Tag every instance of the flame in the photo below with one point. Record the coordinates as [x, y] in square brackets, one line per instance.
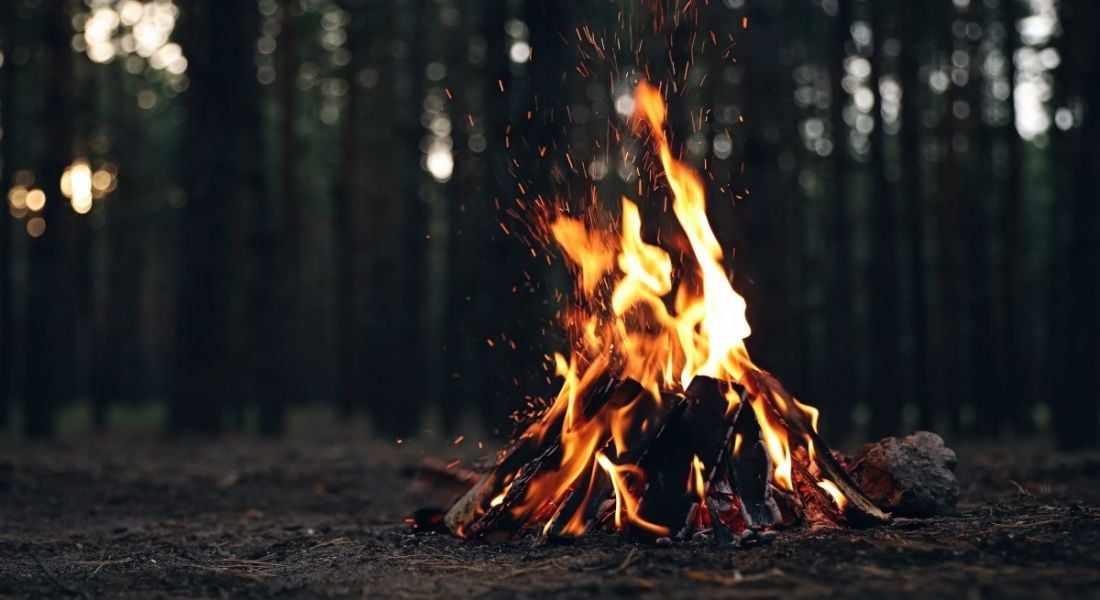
[499, 498]
[639, 314]
[588, 250]
[626, 505]
[777, 441]
[696, 481]
[834, 491]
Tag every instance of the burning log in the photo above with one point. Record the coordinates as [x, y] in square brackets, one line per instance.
[700, 431]
[590, 498]
[751, 470]
[467, 508]
[820, 507]
[498, 523]
[793, 416]
[698, 465]
[583, 504]
[859, 509]
[495, 507]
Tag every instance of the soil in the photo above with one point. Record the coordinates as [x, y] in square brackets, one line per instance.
[320, 514]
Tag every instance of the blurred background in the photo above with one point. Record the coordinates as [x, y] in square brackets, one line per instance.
[219, 214]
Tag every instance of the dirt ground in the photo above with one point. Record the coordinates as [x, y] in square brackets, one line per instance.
[320, 515]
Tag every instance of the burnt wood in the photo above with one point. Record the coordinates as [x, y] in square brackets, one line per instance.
[591, 486]
[497, 523]
[791, 509]
[601, 489]
[703, 429]
[819, 508]
[596, 488]
[722, 534]
[859, 510]
[750, 470]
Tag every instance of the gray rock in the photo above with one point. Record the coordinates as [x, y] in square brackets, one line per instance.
[909, 477]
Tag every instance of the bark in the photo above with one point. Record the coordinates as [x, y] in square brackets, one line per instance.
[912, 187]
[884, 310]
[49, 372]
[7, 168]
[945, 402]
[983, 383]
[277, 250]
[841, 285]
[1014, 301]
[220, 179]
[350, 387]
[1077, 311]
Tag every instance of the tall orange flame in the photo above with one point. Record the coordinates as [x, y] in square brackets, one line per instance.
[623, 318]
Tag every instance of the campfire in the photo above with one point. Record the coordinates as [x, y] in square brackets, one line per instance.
[663, 428]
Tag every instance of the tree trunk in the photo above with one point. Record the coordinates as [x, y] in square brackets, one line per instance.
[276, 251]
[912, 193]
[8, 152]
[983, 384]
[220, 176]
[50, 337]
[1014, 304]
[841, 284]
[1077, 305]
[945, 403]
[350, 338]
[884, 317]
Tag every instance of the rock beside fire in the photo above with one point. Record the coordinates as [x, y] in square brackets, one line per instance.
[909, 477]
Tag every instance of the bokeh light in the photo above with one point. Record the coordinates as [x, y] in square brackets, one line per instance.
[36, 227]
[81, 185]
[131, 29]
[35, 200]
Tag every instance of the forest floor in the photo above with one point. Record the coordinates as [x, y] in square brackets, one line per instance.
[321, 515]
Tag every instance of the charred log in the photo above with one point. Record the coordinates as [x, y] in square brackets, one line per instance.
[819, 508]
[589, 497]
[750, 470]
[684, 442]
[703, 429]
[496, 522]
[499, 524]
[859, 509]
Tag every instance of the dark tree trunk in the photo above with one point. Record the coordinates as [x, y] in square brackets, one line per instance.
[276, 250]
[1077, 307]
[397, 341]
[912, 193]
[945, 402]
[380, 224]
[49, 374]
[219, 177]
[117, 358]
[982, 384]
[841, 285]
[350, 338]
[1014, 305]
[884, 310]
[8, 152]
[410, 304]
[461, 338]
